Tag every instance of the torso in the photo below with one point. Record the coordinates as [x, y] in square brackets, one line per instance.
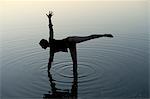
[59, 45]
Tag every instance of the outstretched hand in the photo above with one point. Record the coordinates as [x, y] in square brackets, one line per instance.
[50, 14]
[108, 35]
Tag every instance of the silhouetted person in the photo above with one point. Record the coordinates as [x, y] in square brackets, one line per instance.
[64, 44]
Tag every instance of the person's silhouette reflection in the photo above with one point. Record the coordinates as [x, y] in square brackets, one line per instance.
[64, 44]
[60, 93]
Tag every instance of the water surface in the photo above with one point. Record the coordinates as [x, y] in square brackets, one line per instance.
[107, 68]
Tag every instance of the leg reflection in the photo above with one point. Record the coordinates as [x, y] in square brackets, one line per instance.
[74, 89]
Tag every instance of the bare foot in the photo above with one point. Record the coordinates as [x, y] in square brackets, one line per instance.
[108, 35]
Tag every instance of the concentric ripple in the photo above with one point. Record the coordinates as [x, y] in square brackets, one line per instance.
[106, 68]
[65, 69]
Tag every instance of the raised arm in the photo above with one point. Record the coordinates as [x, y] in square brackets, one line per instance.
[51, 32]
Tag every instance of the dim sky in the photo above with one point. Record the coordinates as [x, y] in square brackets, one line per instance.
[86, 16]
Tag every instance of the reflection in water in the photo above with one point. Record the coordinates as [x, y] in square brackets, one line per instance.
[57, 93]
[62, 45]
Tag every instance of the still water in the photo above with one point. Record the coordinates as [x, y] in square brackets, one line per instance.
[107, 67]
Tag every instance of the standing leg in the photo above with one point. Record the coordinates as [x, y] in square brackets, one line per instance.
[73, 53]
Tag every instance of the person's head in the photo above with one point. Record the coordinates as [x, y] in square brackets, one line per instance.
[44, 43]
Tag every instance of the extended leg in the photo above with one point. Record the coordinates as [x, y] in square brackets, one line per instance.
[78, 39]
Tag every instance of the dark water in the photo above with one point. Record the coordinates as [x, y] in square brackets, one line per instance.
[107, 68]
